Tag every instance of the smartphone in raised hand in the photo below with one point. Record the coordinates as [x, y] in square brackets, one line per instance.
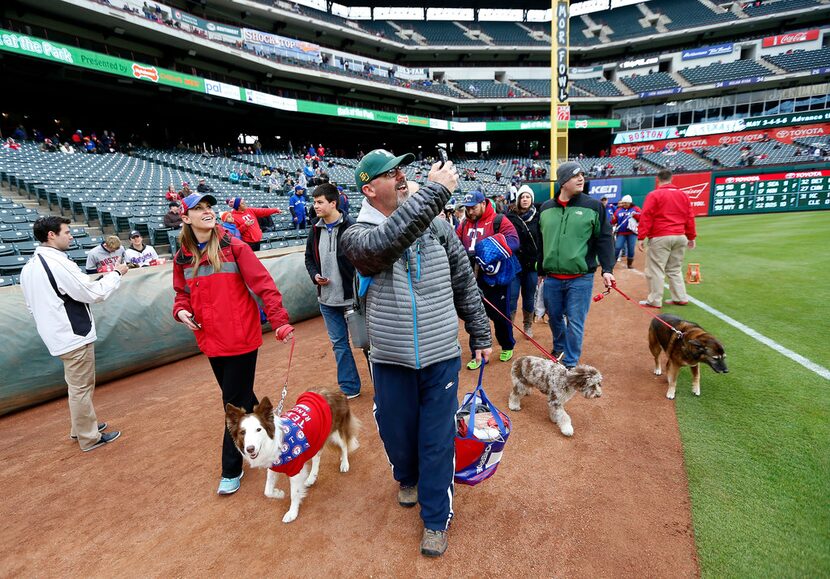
[442, 156]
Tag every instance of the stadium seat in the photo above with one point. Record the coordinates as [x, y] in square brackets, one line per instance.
[6, 281]
[11, 265]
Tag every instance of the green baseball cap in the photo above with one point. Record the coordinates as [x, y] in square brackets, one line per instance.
[376, 163]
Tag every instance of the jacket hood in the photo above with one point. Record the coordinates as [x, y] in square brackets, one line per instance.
[370, 215]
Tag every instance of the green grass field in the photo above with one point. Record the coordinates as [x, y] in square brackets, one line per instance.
[757, 441]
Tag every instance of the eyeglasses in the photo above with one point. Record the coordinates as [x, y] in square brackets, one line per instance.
[391, 173]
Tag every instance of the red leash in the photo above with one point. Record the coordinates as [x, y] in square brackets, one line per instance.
[614, 287]
[278, 411]
[531, 340]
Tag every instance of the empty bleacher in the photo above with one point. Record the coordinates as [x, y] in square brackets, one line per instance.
[802, 59]
[771, 152]
[538, 87]
[624, 22]
[719, 72]
[597, 87]
[383, 29]
[487, 89]
[686, 13]
[648, 82]
[774, 6]
[506, 34]
[678, 161]
[440, 33]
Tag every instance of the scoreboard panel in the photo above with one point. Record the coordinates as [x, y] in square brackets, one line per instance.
[768, 192]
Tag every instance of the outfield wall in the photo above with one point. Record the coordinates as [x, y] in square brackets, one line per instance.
[135, 326]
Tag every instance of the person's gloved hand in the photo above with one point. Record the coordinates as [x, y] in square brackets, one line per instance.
[285, 333]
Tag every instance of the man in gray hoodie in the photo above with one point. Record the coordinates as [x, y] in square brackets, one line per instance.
[333, 275]
[421, 281]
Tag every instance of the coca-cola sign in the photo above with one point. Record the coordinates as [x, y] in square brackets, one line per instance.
[791, 38]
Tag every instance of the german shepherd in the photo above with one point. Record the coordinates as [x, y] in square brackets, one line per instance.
[696, 345]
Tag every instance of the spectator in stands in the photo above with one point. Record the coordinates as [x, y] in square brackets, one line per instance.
[247, 220]
[67, 149]
[104, 257]
[20, 134]
[173, 218]
[57, 294]
[203, 187]
[576, 240]
[228, 223]
[333, 275]
[525, 219]
[343, 200]
[668, 222]
[482, 222]
[233, 176]
[185, 190]
[274, 182]
[297, 206]
[208, 302]
[138, 254]
[172, 195]
[415, 365]
[625, 230]
[11, 144]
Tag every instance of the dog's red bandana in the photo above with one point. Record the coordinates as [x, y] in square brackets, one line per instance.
[305, 428]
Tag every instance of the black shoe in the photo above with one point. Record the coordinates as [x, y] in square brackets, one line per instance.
[557, 355]
[101, 427]
[106, 437]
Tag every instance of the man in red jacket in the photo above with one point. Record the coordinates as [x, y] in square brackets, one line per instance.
[246, 220]
[668, 222]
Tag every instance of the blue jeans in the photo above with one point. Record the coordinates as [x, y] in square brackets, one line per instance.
[415, 415]
[567, 302]
[347, 376]
[524, 283]
[627, 241]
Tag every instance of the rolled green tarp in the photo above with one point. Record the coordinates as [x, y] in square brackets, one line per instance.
[135, 326]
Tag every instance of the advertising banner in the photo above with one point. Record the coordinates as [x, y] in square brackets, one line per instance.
[263, 43]
[707, 51]
[646, 135]
[212, 30]
[609, 188]
[791, 38]
[697, 187]
[221, 89]
[55, 52]
[265, 99]
[637, 63]
[784, 134]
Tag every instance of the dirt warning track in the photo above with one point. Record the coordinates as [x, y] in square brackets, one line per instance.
[611, 501]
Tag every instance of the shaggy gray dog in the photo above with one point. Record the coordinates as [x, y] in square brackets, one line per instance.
[559, 383]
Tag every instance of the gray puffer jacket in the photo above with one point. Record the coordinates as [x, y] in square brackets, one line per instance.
[421, 282]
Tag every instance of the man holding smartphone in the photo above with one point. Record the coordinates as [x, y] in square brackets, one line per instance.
[333, 275]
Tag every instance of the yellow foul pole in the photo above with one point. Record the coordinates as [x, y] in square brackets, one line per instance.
[559, 109]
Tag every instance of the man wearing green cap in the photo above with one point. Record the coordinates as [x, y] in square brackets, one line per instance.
[421, 281]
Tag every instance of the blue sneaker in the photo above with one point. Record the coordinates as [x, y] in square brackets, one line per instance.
[228, 486]
[106, 437]
[101, 426]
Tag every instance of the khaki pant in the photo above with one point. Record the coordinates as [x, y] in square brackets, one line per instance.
[79, 373]
[664, 258]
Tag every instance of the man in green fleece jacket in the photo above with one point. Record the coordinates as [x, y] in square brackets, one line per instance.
[576, 239]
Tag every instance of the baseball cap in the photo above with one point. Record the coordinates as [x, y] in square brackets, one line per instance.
[567, 171]
[299, 188]
[135, 233]
[194, 199]
[376, 163]
[472, 198]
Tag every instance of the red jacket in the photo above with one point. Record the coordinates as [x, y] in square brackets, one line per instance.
[471, 232]
[246, 222]
[220, 301]
[667, 211]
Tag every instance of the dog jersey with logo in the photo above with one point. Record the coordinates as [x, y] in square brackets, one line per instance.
[305, 429]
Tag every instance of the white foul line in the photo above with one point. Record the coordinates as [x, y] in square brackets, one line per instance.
[820, 370]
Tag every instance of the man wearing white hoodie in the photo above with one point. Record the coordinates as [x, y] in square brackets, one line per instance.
[58, 295]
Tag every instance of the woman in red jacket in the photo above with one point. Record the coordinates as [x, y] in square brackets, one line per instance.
[247, 220]
[212, 273]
